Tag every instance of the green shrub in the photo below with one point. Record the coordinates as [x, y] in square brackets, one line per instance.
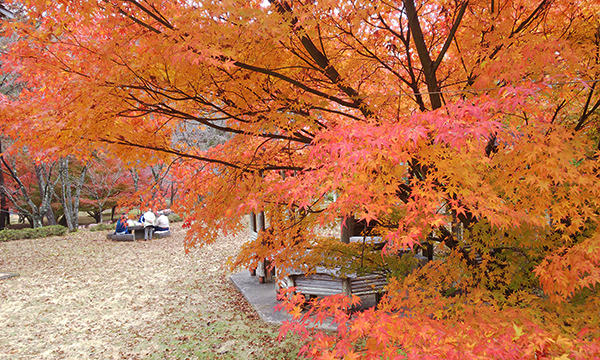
[103, 227]
[174, 218]
[46, 231]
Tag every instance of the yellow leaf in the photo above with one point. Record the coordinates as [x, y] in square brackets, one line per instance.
[562, 357]
[518, 332]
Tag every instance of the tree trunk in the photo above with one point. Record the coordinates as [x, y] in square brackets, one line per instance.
[70, 201]
[66, 201]
[156, 174]
[77, 196]
[36, 221]
[50, 218]
[135, 175]
[4, 215]
[173, 192]
[46, 188]
[96, 215]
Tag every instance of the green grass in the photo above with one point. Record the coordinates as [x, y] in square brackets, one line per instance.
[236, 337]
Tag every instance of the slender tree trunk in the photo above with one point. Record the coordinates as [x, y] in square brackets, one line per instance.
[173, 193]
[4, 215]
[156, 174]
[136, 183]
[136, 178]
[77, 196]
[66, 199]
[46, 187]
[70, 201]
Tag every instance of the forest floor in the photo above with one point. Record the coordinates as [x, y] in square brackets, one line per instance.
[81, 296]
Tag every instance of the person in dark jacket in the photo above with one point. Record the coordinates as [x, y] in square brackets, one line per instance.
[122, 226]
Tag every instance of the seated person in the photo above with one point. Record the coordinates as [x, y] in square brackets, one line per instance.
[122, 226]
[162, 222]
[148, 220]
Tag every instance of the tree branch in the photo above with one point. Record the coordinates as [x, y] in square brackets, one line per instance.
[321, 60]
[423, 52]
[160, 19]
[125, 142]
[459, 17]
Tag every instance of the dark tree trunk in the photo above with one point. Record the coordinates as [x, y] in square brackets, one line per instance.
[4, 215]
[173, 193]
[30, 221]
[97, 215]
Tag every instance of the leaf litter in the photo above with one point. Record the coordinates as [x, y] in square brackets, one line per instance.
[81, 296]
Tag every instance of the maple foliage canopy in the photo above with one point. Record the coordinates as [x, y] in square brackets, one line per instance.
[469, 124]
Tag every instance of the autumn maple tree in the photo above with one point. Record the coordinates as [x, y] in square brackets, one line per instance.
[471, 125]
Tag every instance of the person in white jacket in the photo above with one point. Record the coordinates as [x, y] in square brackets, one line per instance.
[162, 222]
[148, 220]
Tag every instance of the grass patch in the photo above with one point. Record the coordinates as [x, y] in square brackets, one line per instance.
[237, 338]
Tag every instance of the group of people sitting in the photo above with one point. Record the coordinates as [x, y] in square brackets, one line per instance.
[149, 220]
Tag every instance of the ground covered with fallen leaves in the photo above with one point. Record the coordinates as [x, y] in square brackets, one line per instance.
[82, 296]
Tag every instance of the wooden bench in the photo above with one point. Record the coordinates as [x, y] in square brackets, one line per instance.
[120, 237]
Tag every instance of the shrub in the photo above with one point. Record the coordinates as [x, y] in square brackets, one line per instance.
[174, 218]
[46, 231]
[102, 227]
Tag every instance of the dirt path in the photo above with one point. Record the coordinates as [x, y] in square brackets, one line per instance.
[84, 297]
